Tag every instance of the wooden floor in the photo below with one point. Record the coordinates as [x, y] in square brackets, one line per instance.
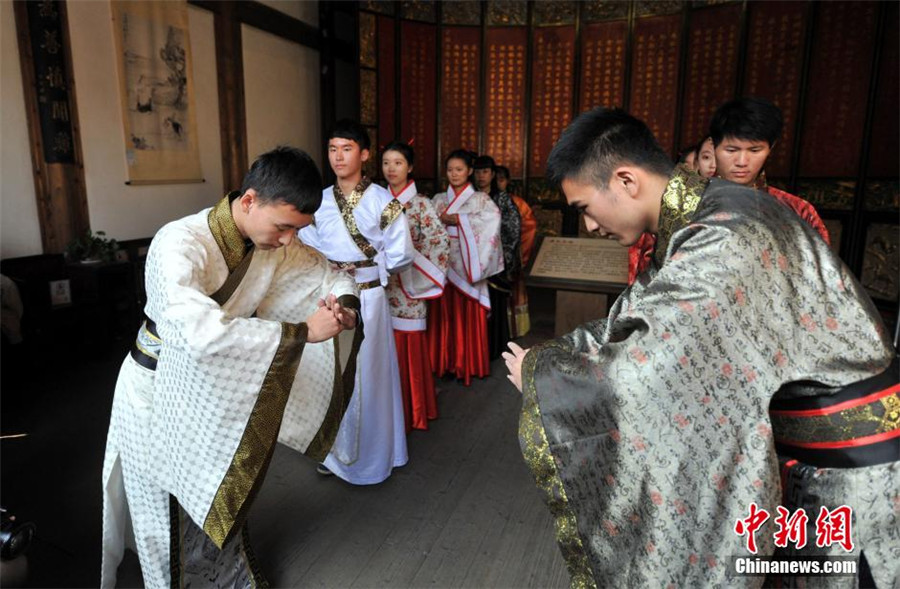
[463, 513]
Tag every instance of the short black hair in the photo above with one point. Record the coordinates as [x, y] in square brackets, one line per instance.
[598, 141]
[460, 154]
[352, 130]
[686, 151]
[286, 174]
[403, 148]
[748, 118]
[502, 171]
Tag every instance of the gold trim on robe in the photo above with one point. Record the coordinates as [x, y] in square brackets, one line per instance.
[226, 233]
[679, 203]
[251, 460]
[391, 213]
[536, 451]
[346, 204]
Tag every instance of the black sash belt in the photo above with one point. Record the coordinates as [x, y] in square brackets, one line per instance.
[844, 427]
[145, 349]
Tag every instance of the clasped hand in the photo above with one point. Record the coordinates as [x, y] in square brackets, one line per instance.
[328, 320]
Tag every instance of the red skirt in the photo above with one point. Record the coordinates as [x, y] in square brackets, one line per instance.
[416, 380]
[458, 336]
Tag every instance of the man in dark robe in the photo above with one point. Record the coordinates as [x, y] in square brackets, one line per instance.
[650, 431]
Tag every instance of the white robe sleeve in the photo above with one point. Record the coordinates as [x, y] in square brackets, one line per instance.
[304, 278]
[479, 238]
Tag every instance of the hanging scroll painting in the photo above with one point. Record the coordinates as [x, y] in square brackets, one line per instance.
[153, 57]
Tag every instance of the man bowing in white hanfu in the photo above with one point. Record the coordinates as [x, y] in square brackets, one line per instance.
[232, 300]
[362, 229]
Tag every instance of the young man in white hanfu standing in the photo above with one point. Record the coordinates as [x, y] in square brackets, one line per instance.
[234, 306]
[361, 228]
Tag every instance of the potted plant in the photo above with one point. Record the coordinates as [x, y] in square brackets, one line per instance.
[92, 248]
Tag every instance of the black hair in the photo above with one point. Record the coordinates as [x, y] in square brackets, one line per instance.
[484, 161]
[352, 130]
[461, 154]
[403, 148]
[501, 171]
[748, 118]
[286, 174]
[694, 148]
[598, 141]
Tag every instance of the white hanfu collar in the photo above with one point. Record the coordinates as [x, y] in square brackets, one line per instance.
[405, 194]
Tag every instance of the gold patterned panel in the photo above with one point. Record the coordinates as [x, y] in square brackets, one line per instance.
[461, 13]
[601, 10]
[876, 417]
[881, 262]
[540, 192]
[657, 7]
[367, 56]
[391, 213]
[418, 10]
[368, 89]
[507, 12]
[225, 231]
[555, 12]
[549, 221]
[382, 6]
[828, 193]
[679, 202]
[882, 195]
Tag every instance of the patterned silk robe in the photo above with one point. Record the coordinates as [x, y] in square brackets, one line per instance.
[649, 431]
[409, 291]
[199, 402]
[640, 253]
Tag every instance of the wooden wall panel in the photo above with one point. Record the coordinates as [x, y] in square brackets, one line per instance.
[838, 89]
[884, 154]
[418, 92]
[553, 81]
[603, 64]
[774, 67]
[387, 99]
[510, 90]
[711, 67]
[505, 76]
[460, 99]
[654, 84]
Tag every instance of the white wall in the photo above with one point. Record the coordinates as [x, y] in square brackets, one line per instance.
[129, 212]
[281, 92]
[282, 102]
[20, 230]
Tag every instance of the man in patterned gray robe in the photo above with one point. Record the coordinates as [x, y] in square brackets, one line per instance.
[650, 431]
[226, 364]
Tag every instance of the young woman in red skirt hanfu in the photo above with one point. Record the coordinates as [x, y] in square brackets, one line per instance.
[457, 332]
[409, 291]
